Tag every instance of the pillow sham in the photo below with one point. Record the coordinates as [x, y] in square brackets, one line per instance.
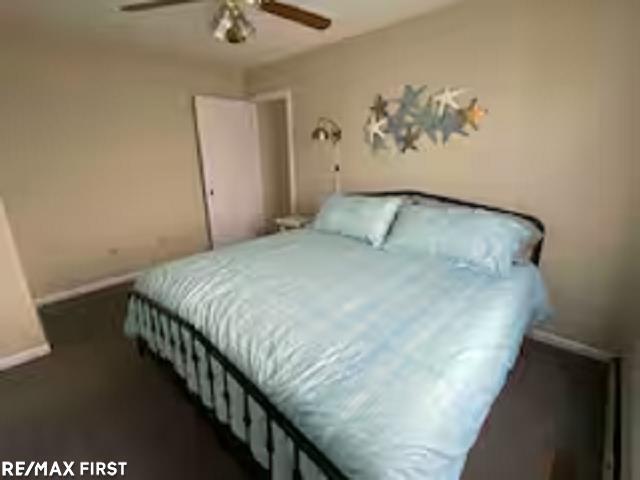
[479, 239]
[357, 216]
[536, 235]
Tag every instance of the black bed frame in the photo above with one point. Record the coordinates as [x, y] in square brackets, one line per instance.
[301, 443]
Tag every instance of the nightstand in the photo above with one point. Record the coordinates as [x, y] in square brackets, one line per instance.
[292, 222]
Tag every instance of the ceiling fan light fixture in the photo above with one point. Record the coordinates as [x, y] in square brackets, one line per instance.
[230, 25]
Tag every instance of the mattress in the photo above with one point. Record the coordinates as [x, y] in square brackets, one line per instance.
[388, 363]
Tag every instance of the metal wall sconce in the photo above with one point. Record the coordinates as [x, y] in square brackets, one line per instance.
[327, 129]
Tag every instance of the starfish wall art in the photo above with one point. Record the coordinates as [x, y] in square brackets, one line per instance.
[402, 121]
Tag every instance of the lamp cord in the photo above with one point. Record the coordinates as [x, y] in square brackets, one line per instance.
[337, 184]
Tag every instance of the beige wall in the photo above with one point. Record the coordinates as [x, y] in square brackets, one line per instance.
[20, 328]
[99, 167]
[272, 123]
[556, 76]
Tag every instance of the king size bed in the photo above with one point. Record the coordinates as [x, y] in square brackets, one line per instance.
[345, 351]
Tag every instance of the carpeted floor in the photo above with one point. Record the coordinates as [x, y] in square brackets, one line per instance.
[93, 398]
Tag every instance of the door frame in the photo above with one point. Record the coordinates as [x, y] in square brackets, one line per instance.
[287, 96]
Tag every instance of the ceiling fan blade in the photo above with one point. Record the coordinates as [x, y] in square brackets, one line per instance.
[140, 7]
[296, 14]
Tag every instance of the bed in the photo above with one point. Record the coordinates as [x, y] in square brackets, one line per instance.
[318, 356]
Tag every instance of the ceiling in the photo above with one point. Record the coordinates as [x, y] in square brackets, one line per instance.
[183, 29]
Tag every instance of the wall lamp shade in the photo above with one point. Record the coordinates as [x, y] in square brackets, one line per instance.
[230, 25]
[327, 129]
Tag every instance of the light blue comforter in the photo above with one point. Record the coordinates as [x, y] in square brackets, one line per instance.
[389, 363]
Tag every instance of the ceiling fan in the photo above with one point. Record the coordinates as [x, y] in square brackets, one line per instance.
[230, 24]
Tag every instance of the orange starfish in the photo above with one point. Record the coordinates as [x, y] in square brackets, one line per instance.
[473, 114]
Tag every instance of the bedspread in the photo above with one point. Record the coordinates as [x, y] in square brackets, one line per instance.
[389, 363]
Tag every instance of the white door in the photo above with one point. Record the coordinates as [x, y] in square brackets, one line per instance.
[228, 136]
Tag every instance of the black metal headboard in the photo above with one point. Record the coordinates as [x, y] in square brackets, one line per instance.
[537, 250]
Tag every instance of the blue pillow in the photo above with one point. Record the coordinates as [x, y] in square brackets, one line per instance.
[478, 239]
[357, 216]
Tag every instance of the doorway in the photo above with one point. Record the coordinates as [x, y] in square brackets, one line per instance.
[275, 120]
[272, 142]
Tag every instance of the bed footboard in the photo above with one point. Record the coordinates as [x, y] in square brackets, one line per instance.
[242, 416]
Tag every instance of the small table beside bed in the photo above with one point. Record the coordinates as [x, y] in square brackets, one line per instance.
[369, 345]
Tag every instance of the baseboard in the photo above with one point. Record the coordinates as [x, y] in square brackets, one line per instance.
[24, 356]
[574, 346]
[86, 288]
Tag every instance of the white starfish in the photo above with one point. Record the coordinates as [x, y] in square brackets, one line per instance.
[447, 98]
[375, 129]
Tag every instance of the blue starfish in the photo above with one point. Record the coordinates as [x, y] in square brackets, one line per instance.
[452, 123]
[396, 126]
[410, 100]
[427, 119]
